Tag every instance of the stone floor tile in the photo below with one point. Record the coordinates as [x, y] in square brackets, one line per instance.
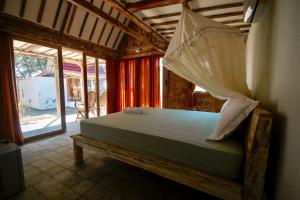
[50, 188]
[83, 186]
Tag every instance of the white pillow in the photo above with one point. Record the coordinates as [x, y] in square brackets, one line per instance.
[233, 112]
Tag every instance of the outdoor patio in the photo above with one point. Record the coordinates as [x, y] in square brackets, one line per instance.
[36, 122]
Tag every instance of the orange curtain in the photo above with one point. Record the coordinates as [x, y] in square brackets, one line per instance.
[131, 86]
[155, 82]
[144, 82]
[9, 118]
[121, 103]
[133, 82]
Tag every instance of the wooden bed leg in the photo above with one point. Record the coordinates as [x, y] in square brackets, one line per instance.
[78, 153]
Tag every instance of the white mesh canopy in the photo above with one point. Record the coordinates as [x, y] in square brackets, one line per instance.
[208, 54]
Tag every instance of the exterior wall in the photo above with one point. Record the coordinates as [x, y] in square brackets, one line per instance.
[273, 47]
[179, 94]
[38, 92]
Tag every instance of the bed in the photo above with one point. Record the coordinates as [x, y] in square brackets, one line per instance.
[172, 144]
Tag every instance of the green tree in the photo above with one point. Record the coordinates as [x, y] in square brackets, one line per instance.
[30, 66]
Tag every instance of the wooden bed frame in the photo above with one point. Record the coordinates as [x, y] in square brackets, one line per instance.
[251, 184]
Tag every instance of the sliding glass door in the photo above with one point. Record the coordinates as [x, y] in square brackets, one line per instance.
[39, 89]
[96, 86]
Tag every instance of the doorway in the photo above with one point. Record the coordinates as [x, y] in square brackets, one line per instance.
[38, 82]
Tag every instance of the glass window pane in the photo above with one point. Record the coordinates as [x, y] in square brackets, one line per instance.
[37, 81]
[102, 87]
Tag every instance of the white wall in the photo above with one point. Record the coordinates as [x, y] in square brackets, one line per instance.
[38, 92]
[273, 63]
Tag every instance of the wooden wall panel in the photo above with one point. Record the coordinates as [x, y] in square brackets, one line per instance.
[179, 94]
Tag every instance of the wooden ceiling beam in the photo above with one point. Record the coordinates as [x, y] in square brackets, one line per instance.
[41, 11]
[93, 29]
[65, 19]
[71, 18]
[119, 34]
[91, 8]
[28, 30]
[164, 23]
[84, 21]
[204, 9]
[22, 8]
[229, 14]
[136, 20]
[95, 24]
[111, 30]
[242, 26]
[166, 29]
[148, 4]
[167, 33]
[176, 21]
[219, 7]
[104, 27]
[57, 13]
[162, 16]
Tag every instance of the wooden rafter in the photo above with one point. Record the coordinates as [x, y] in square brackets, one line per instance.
[176, 21]
[111, 30]
[148, 4]
[65, 19]
[71, 18]
[22, 8]
[162, 16]
[136, 20]
[167, 33]
[162, 30]
[219, 7]
[27, 29]
[166, 29]
[93, 29]
[93, 9]
[96, 23]
[57, 13]
[204, 9]
[242, 26]
[119, 34]
[84, 21]
[41, 11]
[164, 23]
[215, 16]
[104, 27]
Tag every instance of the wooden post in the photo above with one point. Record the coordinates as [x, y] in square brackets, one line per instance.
[85, 87]
[78, 153]
[257, 149]
[61, 89]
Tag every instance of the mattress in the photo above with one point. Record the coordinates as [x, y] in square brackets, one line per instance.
[176, 135]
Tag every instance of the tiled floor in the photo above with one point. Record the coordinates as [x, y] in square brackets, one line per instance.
[51, 174]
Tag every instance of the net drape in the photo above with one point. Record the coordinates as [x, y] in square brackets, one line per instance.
[208, 54]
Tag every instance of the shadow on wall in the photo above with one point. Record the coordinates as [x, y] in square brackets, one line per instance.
[260, 80]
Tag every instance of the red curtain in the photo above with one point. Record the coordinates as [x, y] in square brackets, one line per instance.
[9, 118]
[121, 91]
[155, 82]
[137, 83]
[111, 78]
[144, 82]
